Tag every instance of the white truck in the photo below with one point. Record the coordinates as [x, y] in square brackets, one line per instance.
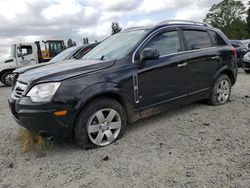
[26, 54]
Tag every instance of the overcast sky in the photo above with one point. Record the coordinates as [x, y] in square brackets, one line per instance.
[31, 20]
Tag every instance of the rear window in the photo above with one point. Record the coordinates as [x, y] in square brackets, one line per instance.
[216, 38]
[197, 39]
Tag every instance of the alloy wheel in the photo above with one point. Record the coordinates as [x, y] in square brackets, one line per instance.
[223, 91]
[104, 126]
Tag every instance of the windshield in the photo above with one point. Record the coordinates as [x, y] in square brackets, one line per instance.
[66, 54]
[116, 46]
[13, 51]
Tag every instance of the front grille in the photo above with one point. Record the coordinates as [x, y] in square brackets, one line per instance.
[19, 90]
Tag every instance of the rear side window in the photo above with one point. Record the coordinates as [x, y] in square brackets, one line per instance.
[197, 39]
[166, 43]
[216, 38]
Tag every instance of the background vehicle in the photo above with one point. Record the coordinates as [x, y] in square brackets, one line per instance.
[75, 52]
[241, 50]
[26, 54]
[131, 75]
[246, 43]
[246, 62]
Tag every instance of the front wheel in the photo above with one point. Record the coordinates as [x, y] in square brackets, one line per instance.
[221, 91]
[100, 123]
[7, 78]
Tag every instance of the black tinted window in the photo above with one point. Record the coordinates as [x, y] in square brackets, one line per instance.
[166, 43]
[197, 39]
[216, 38]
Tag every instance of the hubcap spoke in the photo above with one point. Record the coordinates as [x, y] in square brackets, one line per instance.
[115, 125]
[111, 116]
[219, 90]
[100, 117]
[220, 98]
[94, 128]
[99, 138]
[109, 135]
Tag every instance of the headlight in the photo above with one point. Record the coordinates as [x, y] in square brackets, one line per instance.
[43, 92]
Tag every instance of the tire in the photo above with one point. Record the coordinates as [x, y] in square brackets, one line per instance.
[247, 71]
[100, 115]
[221, 91]
[7, 78]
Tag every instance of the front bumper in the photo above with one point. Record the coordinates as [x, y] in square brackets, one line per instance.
[39, 118]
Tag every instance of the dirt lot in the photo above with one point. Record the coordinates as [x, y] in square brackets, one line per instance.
[194, 146]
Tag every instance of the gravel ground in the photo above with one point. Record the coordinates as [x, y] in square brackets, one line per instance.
[193, 146]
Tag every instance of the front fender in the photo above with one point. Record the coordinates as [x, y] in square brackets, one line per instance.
[102, 89]
[7, 66]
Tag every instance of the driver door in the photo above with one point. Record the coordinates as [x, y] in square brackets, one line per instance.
[164, 80]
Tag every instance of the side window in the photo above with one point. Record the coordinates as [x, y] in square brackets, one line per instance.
[216, 38]
[197, 39]
[166, 43]
[25, 50]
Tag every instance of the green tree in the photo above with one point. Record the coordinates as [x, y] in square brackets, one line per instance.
[115, 28]
[85, 40]
[228, 16]
[238, 30]
[248, 20]
[70, 43]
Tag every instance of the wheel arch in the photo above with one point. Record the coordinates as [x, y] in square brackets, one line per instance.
[227, 72]
[114, 94]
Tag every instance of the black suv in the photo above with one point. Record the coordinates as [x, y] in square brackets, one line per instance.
[131, 75]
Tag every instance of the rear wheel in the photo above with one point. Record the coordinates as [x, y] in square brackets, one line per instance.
[221, 91]
[100, 123]
[7, 78]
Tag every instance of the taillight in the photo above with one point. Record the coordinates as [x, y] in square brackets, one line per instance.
[234, 52]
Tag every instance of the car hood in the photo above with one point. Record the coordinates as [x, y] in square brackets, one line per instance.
[63, 70]
[27, 68]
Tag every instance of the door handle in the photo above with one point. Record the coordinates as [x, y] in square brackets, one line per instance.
[215, 57]
[182, 64]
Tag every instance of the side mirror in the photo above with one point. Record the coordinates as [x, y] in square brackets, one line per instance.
[148, 54]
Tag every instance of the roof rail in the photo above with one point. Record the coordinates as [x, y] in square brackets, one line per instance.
[165, 22]
[131, 28]
[137, 27]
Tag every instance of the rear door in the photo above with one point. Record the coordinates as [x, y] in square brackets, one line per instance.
[203, 60]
